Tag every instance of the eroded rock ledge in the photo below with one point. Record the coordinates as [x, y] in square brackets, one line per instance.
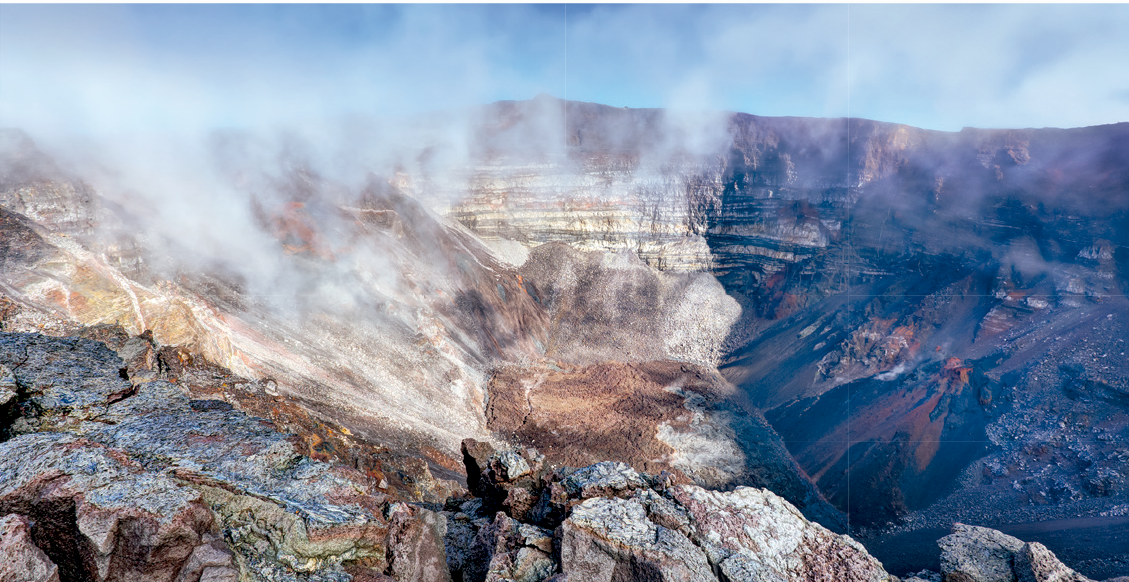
[103, 478]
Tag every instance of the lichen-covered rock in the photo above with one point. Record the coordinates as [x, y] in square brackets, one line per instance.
[302, 514]
[20, 559]
[212, 561]
[516, 552]
[755, 535]
[69, 380]
[978, 554]
[103, 517]
[612, 539]
[1035, 563]
[607, 479]
[8, 388]
[416, 551]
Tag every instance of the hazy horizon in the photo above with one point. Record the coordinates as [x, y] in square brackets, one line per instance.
[100, 69]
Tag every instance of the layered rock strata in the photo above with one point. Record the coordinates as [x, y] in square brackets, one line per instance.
[611, 306]
[865, 256]
[960, 293]
[371, 306]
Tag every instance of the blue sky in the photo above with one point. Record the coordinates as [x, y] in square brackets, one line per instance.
[94, 68]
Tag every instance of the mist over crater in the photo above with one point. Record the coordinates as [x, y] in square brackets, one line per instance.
[336, 299]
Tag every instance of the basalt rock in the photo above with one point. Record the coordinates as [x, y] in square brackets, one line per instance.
[20, 559]
[101, 515]
[1035, 563]
[978, 554]
[416, 550]
[613, 521]
[612, 539]
[517, 552]
[518, 482]
[752, 534]
[188, 489]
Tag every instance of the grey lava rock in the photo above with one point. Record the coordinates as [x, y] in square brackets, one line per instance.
[1035, 563]
[607, 479]
[8, 389]
[978, 554]
[516, 552]
[612, 539]
[147, 450]
[755, 535]
[69, 380]
[416, 551]
[20, 559]
[102, 516]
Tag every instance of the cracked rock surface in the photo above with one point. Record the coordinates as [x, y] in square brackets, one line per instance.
[106, 479]
[980, 554]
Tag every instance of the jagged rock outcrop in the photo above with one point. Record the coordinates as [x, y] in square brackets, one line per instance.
[753, 534]
[101, 515]
[613, 521]
[979, 554]
[515, 551]
[108, 479]
[175, 485]
[607, 539]
[20, 559]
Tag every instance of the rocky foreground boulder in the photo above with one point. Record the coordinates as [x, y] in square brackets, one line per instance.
[108, 474]
[613, 523]
[979, 554]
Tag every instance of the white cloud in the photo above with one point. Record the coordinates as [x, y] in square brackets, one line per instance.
[949, 66]
[101, 69]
